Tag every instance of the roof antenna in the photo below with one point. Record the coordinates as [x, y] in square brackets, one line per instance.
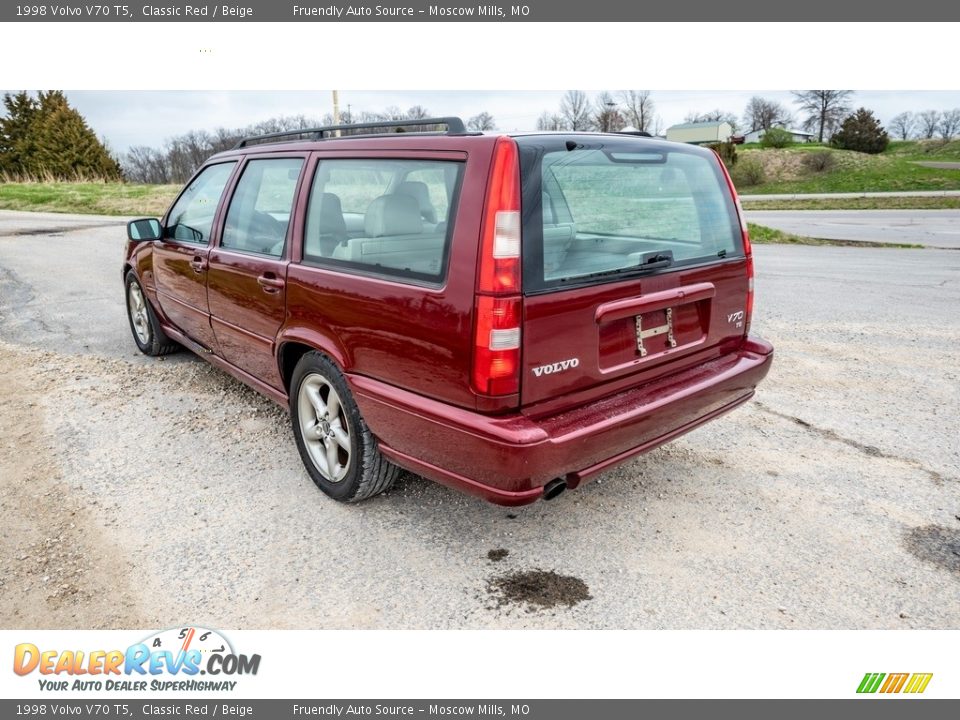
[571, 145]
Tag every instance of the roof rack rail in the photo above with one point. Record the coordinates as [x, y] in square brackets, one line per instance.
[454, 125]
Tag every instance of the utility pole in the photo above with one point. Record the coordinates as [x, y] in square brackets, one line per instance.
[336, 111]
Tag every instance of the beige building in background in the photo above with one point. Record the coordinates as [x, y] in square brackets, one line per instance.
[700, 132]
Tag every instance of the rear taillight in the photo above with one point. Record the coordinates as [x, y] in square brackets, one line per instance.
[496, 352]
[747, 248]
[500, 249]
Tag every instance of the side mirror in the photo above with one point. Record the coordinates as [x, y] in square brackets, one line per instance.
[144, 229]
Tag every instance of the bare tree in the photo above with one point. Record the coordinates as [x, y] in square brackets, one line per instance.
[929, 121]
[763, 114]
[902, 125]
[949, 123]
[483, 121]
[607, 117]
[550, 121]
[417, 112]
[716, 115]
[144, 164]
[824, 109]
[638, 107]
[575, 110]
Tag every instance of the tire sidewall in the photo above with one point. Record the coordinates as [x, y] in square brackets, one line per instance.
[315, 363]
[147, 347]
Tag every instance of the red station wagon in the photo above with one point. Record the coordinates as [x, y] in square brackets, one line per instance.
[509, 315]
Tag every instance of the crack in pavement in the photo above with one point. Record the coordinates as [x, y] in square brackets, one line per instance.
[834, 436]
[25, 232]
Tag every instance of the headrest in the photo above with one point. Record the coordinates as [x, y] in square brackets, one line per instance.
[393, 215]
[330, 218]
[420, 192]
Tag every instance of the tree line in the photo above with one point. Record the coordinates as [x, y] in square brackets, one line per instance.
[821, 112]
[178, 158]
[44, 137]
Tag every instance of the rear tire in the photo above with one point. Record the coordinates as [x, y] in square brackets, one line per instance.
[147, 333]
[336, 446]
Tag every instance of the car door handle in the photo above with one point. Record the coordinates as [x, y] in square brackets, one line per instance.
[198, 264]
[270, 283]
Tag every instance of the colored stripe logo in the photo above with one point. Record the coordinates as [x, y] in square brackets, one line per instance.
[913, 683]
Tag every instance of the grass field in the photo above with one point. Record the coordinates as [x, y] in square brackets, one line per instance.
[785, 171]
[763, 235]
[893, 203]
[90, 198]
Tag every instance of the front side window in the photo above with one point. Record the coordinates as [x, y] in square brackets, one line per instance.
[390, 217]
[260, 208]
[191, 218]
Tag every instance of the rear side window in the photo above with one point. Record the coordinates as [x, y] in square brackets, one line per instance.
[191, 217]
[260, 207]
[596, 212]
[389, 217]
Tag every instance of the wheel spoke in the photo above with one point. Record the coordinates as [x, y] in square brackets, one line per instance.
[343, 440]
[319, 406]
[333, 404]
[333, 463]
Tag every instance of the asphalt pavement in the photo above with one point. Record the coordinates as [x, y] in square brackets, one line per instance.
[930, 228]
[139, 492]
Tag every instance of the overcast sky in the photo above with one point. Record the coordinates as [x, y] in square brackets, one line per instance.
[127, 118]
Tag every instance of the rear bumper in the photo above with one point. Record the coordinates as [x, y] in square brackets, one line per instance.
[507, 459]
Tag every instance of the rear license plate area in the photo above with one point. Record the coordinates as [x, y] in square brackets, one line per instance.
[650, 335]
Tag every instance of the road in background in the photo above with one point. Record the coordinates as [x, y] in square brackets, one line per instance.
[931, 228]
[138, 492]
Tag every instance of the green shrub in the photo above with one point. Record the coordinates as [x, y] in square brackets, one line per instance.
[776, 138]
[727, 152]
[747, 172]
[861, 132]
[819, 161]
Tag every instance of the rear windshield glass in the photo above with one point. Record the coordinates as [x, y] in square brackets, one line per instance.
[599, 210]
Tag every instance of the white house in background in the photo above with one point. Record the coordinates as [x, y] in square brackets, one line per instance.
[700, 133]
[799, 136]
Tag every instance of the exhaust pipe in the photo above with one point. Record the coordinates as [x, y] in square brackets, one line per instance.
[554, 488]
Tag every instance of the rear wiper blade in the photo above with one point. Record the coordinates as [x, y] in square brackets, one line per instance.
[648, 262]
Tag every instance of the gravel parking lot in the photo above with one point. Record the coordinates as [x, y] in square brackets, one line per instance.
[138, 492]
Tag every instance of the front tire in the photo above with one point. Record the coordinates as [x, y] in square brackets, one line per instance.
[147, 333]
[335, 444]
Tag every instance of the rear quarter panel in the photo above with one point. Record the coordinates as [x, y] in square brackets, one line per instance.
[413, 336]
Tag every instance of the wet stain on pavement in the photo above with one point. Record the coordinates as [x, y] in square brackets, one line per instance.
[538, 589]
[936, 544]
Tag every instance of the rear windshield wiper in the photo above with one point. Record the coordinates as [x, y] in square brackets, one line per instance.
[648, 262]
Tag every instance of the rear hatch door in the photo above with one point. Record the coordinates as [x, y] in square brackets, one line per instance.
[634, 264]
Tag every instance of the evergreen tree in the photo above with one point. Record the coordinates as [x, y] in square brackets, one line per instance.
[46, 137]
[15, 132]
[861, 132]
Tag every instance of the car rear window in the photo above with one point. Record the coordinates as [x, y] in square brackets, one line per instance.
[595, 210]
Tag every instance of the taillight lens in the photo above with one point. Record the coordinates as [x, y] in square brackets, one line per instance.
[747, 248]
[496, 347]
[500, 247]
[496, 351]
